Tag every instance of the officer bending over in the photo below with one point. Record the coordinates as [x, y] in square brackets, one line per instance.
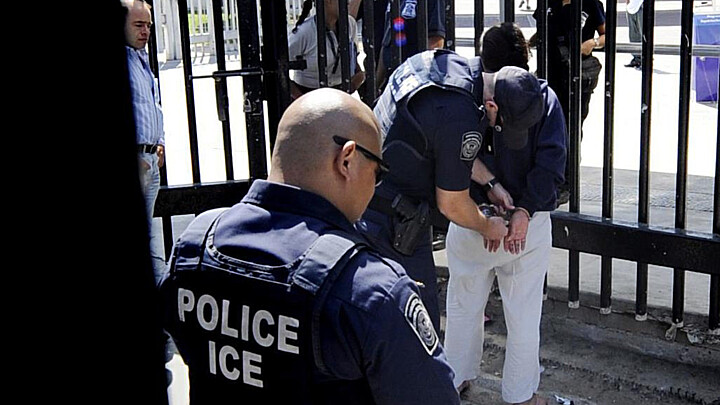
[433, 116]
[279, 299]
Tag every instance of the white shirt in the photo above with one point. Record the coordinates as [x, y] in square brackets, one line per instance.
[633, 6]
[303, 43]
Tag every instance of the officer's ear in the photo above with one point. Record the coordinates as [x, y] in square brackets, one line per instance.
[343, 157]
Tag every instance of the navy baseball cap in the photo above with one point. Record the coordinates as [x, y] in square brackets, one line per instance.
[520, 104]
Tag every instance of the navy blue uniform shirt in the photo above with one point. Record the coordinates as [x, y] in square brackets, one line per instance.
[559, 24]
[445, 117]
[366, 332]
[435, 28]
[531, 174]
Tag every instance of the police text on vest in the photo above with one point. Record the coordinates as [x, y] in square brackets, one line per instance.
[210, 315]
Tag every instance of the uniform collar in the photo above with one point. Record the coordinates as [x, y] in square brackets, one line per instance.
[287, 198]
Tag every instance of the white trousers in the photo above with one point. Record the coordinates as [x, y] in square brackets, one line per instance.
[520, 278]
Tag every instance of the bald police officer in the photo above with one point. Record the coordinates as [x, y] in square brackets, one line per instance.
[433, 115]
[279, 299]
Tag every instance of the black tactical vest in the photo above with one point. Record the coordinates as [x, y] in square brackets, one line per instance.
[246, 337]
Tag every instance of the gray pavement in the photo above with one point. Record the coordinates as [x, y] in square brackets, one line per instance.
[663, 155]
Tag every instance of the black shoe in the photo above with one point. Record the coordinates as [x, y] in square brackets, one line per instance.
[438, 241]
[563, 197]
[522, 2]
[634, 64]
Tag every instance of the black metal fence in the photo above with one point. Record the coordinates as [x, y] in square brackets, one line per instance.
[265, 67]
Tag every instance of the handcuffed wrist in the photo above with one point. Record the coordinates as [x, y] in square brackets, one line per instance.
[521, 209]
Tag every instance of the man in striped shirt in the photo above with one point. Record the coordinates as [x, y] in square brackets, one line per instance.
[147, 113]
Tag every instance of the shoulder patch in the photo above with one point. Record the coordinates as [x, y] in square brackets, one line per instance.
[471, 142]
[419, 320]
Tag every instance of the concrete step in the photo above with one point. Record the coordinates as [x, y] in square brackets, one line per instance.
[590, 358]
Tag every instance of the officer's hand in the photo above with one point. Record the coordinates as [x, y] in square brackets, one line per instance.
[514, 242]
[501, 198]
[495, 229]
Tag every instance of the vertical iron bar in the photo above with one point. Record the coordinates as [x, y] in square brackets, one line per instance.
[275, 61]
[370, 87]
[253, 89]
[450, 25]
[422, 25]
[321, 43]
[479, 21]
[575, 102]
[607, 199]
[508, 10]
[648, 43]
[189, 89]
[574, 147]
[344, 45]
[541, 38]
[574, 279]
[714, 321]
[678, 303]
[395, 45]
[221, 88]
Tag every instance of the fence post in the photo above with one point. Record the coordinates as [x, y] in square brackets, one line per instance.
[607, 186]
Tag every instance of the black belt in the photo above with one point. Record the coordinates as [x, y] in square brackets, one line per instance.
[399, 204]
[382, 204]
[145, 148]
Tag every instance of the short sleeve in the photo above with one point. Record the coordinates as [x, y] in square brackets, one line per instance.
[452, 124]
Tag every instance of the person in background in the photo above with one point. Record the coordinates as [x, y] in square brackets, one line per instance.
[302, 44]
[560, 22]
[147, 113]
[150, 134]
[635, 22]
[406, 37]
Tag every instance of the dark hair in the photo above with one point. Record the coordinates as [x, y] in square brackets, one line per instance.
[307, 6]
[504, 45]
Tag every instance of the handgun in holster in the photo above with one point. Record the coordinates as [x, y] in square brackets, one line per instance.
[410, 223]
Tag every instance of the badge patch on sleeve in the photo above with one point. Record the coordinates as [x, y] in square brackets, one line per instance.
[471, 142]
[419, 320]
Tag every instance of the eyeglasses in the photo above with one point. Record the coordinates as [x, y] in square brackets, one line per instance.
[382, 168]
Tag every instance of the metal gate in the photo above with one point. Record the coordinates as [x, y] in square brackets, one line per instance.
[262, 30]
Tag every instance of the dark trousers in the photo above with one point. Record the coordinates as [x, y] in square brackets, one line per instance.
[420, 266]
[635, 24]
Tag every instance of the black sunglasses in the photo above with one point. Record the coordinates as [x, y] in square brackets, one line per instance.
[382, 168]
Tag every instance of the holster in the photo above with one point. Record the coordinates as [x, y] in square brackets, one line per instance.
[409, 224]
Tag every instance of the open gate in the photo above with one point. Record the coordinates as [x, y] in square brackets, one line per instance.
[261, 28]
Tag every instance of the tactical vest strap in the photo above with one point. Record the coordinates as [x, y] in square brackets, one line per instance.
[189, 248]
[317, 273]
